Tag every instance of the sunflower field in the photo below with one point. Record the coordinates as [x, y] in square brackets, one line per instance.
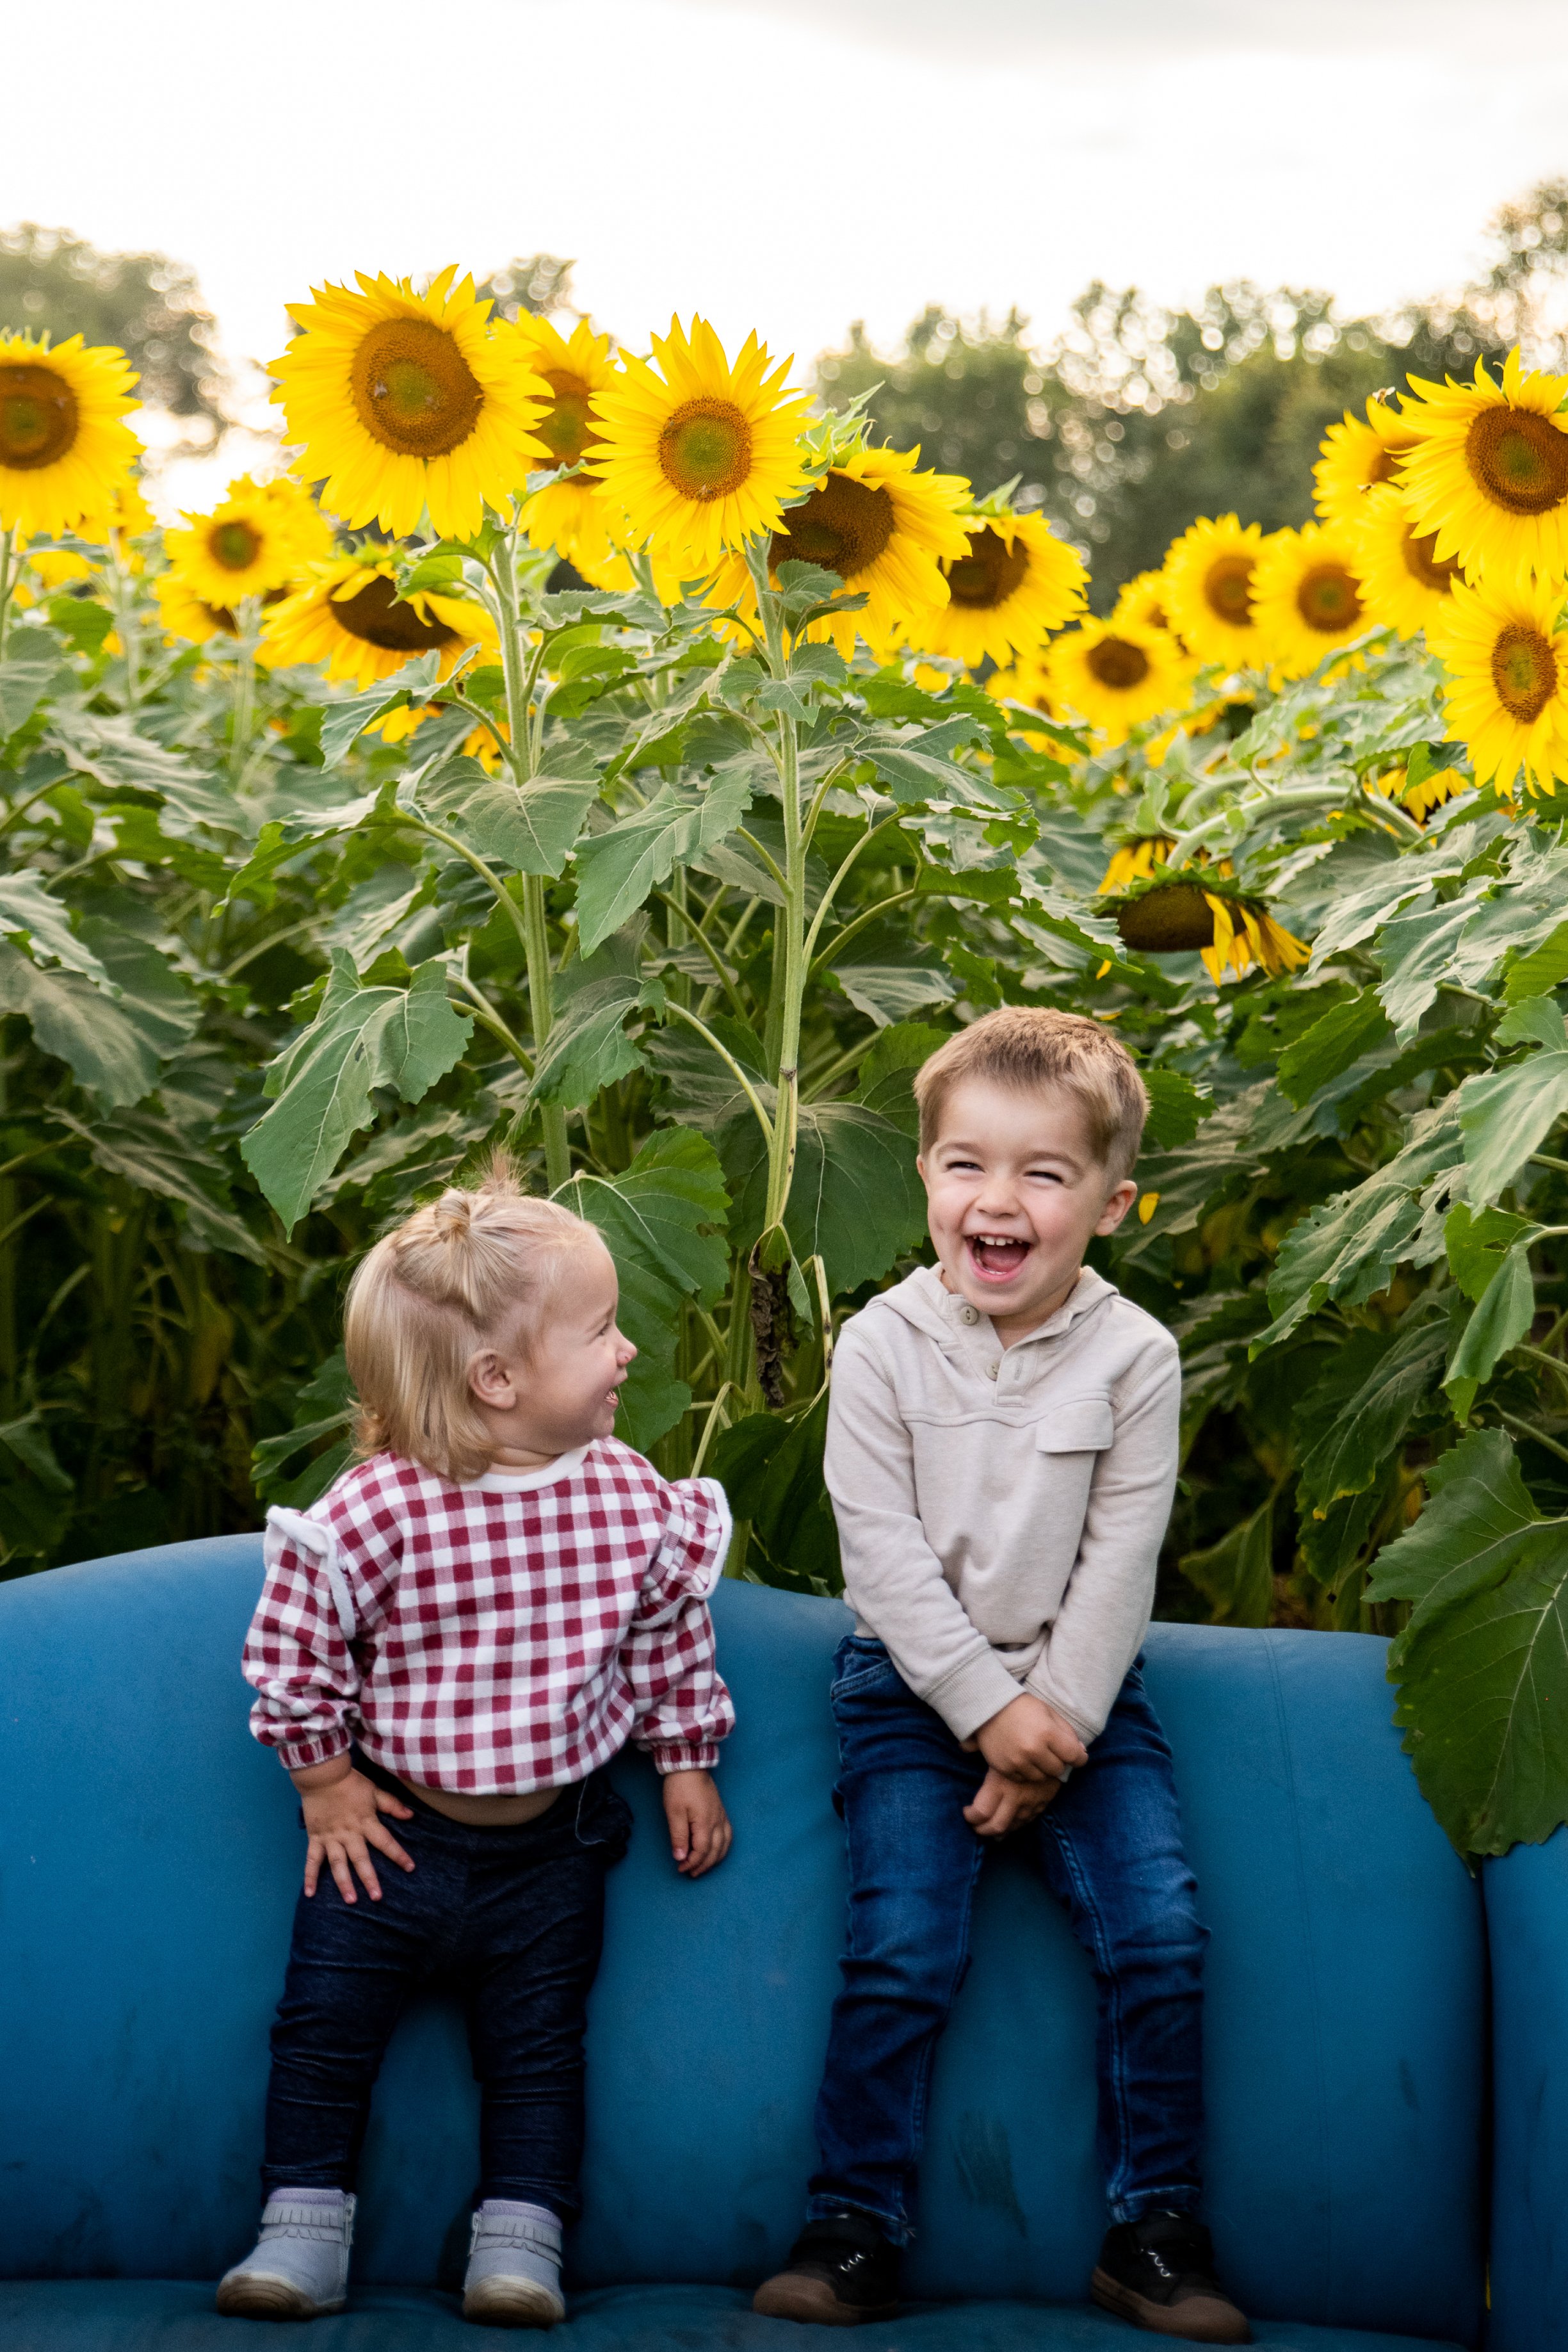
[340, 845]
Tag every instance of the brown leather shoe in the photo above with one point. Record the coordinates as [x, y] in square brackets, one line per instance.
[1159, 2273]
[840, 2273]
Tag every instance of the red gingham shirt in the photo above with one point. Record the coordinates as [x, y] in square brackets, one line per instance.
[499, 1637]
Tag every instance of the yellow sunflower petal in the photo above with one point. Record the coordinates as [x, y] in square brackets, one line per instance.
[65, 448]
[1507, 698]
[404, 402]
[1488, 476]
[697, 453]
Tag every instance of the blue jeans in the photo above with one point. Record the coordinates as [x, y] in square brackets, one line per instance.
[1110, 1848]
[511, 1918]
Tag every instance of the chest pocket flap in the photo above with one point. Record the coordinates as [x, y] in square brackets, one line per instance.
[1077, 1424]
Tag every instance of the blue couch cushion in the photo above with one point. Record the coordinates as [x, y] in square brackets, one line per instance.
[151, 1854]
[1527, 1917]
[177, 2316]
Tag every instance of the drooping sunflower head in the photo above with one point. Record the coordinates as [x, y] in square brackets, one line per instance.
[699, 456]
[1442, 784]
[1357, 457]
[257, 540]
[1307, 596]
[1014, 582]
[402, 402]
[1210, 575]
[64, 443]
[350, 616]
[1230, 929]
[1507, 698]
[1488, 475]
[1134, 861]
[884, 527]
[574, 517]
[1404, 582]
[1116, 674]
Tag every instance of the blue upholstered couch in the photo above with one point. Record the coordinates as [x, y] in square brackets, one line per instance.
[1388, 2061]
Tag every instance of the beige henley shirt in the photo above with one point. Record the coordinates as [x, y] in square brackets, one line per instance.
[1000, 1511]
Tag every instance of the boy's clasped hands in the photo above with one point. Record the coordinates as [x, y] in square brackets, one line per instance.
[1030, 1749]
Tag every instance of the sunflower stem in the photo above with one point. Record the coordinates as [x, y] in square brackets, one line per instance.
[8, 582]
[536, 921]
[790, 966]
[248, 619]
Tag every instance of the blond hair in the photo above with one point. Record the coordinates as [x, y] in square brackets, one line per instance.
[1028, 1046]
[474, 1269]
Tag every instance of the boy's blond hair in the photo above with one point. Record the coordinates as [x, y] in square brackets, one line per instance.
[1026, 1045]
[475, 1269]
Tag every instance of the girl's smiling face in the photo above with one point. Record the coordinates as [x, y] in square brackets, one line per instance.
[1014, 1193]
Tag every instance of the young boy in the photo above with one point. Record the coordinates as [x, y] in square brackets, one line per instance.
[1002, 1455]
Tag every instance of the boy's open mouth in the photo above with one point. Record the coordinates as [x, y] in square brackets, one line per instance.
[996, 1257]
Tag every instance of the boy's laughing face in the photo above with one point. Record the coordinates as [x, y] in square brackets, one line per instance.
[1014, 1192]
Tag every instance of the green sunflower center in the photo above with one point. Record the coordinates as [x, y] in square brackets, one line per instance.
[568, 428]
[1524, 672]
[413, 389]
[1228, 590]
[1518, 460]
[705, 448]
[1422, 563]
[844, 526]
[990, 573]
[38, 417]
[1117, 663]
[234, 545]
[1328, 599]
[378, 614]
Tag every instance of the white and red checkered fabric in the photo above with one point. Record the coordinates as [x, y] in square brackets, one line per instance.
[495, 1638]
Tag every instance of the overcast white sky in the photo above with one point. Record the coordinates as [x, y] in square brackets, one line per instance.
[788, 163]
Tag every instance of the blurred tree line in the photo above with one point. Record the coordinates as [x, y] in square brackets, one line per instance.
[1136, 418]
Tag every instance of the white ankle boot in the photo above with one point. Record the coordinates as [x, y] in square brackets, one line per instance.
[514, 2269]
[299, 2266]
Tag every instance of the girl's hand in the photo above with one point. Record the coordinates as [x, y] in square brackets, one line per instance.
[700, 1834]
[342, 1818]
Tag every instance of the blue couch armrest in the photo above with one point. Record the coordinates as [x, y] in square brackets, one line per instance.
[1527, 1925]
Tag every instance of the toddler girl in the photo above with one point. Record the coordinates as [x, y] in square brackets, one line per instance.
[458, 1638]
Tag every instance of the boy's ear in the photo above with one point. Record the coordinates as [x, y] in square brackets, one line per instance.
[920, 1165]
[1118, 1200]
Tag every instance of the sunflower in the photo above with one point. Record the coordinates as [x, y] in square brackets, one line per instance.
[64, 443]
[883, 528]
[1488, 475]
[1116, 674]
[256, 540]
[1145, 601]
[1443, 784]
[1174, 915]
[1209, 577]
[408, 402]
[1507, 668]
[1025, 681]
[698, 455]
[1307, 596]
[185, 614]
[1134, 861]
[574, 517]
[349, 616]
[1014, 583]
[1405, 584]
[1357, 458]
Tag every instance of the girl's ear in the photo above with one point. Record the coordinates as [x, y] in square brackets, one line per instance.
[490, 1381]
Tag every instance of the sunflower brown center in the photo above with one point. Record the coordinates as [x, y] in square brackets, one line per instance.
[1117, 663]
[568, 428]
[1422, 563]
[234, 545]
[1228, 590]
[1328, 599]
[1524, 671]
[844, 526]
[1381, 466]
[705, 448]
[990, 572]
[38, 417]
[378, 613]
[1167, 921]
[1518, 460]
[413, 389]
